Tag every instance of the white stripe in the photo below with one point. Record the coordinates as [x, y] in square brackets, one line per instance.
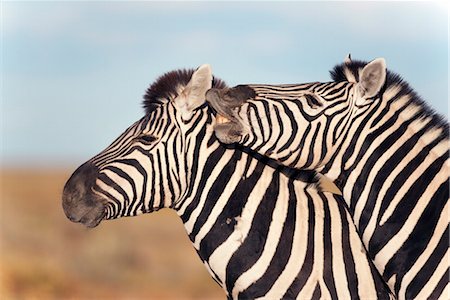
[317, 269]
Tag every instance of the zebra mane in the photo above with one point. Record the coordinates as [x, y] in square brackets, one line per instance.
[169, 86]
[350, 71]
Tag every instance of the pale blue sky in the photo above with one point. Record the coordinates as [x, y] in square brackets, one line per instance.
[73, 73]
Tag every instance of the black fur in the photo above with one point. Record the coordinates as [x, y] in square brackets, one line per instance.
[165, 87]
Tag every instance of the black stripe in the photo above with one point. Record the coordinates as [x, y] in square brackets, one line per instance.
[318, 293]
[194, 125]
[328, 250]
[311, 153]
[305, 271]
[162, 194]
[215, 192]
[130, 180]
[151, 201]
[281, 125]
[259, 124]
[342, 124]
[112, 184]
[113, 206]
[252, 129]
[440, 286]
[349, 262]
[209, 165]
[283, 252]
[300, 145]
[224, 225]
[292, 129]
[253, 245]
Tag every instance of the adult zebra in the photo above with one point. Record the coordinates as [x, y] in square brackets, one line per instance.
[260, 232]
[381, 145]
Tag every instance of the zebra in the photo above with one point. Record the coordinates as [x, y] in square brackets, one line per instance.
[261, 232]
[382, 146]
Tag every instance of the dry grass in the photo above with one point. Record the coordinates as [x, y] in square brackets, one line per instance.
[44, 256]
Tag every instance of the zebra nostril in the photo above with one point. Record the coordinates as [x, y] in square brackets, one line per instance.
[72, 218]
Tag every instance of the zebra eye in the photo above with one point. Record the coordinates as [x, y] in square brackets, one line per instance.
[146, 139]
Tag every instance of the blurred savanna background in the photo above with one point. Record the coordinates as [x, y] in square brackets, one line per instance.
[72, 79]
[44, 256]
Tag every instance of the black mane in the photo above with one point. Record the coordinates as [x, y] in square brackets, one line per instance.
[338, 74]
[167, 87]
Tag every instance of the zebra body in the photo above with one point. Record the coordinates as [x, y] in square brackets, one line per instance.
[380, 144]
[260, 233]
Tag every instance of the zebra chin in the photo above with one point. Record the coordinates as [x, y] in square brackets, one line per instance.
[79, 202]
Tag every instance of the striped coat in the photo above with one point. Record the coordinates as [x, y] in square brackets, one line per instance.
[383, 148]
[261, 232]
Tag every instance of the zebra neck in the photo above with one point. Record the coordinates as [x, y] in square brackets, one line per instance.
[249, 222]
[393, 170]
[395, 146]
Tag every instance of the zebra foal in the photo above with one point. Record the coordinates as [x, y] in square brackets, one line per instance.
[259, 232]
[381, 145]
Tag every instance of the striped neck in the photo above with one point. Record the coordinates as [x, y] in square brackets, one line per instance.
[393, 170]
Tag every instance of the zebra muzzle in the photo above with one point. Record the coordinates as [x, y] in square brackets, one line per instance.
[79, 202]
[228, 128]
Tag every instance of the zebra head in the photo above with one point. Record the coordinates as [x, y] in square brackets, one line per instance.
[281, 121]
[146, 167]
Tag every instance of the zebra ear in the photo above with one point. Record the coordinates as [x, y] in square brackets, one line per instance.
[193, 94]
[348, 59]
[372, 78]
